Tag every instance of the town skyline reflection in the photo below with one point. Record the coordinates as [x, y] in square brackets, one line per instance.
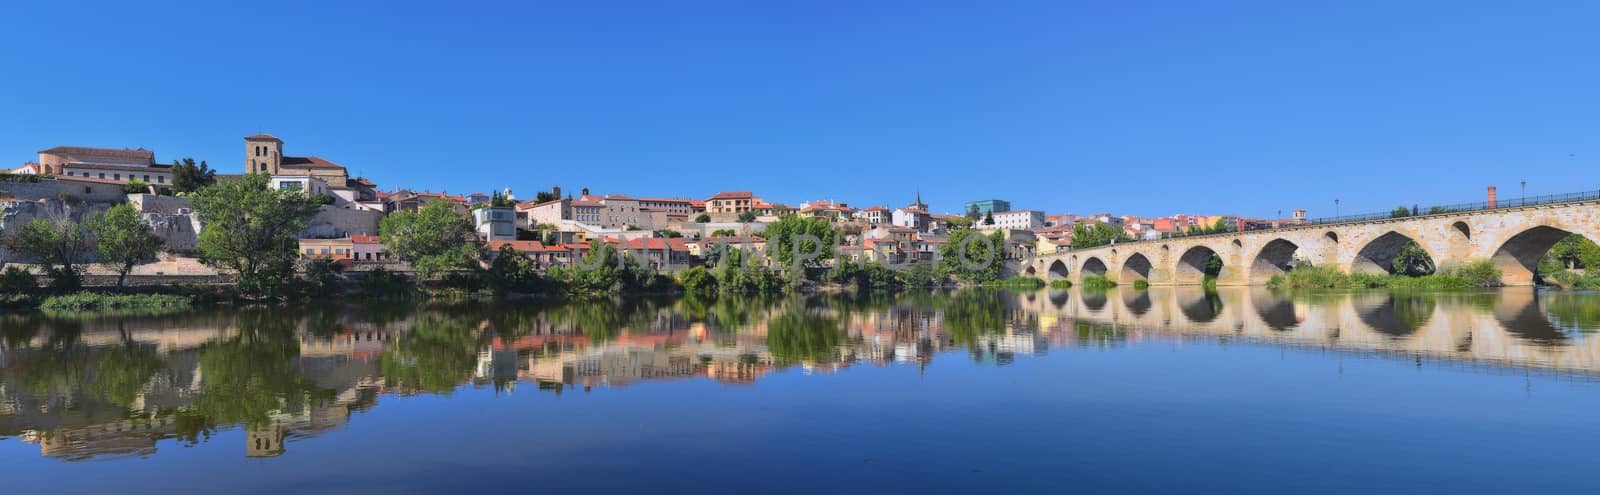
[120, 387]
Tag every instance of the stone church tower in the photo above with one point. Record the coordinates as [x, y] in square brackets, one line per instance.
[263, 153]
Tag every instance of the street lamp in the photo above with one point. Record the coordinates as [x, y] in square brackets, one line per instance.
[1524, 192]
[1336, 207]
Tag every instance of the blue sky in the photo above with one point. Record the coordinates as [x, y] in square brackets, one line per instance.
[1124, 106]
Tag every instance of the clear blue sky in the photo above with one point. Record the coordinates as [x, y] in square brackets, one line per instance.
[1125, 106]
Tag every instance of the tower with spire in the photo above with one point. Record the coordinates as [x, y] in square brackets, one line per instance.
[918, 205]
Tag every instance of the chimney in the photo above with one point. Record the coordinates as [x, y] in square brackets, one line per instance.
[1492, 200]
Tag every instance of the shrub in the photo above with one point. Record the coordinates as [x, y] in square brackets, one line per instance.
[94, 301]
[16, 280]
[1098, 282]
[1017, 282]
[1141, 284]
[1061, 284]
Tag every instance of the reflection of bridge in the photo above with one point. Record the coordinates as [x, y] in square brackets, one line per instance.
[1507, 327]
[1513, 238]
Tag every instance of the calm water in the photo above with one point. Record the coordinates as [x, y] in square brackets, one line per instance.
[976, 391]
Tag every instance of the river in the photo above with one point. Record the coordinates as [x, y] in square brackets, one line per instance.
[1238, 390]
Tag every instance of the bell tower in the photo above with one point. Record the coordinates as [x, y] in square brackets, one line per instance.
[263, 153]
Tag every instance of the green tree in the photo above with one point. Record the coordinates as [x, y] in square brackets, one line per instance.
[58, 244]
[1412, 260]
[253, 230]
[988, 218]
[190, 177]
[512, 271]
[814, 236]
[434, 239]
[724, 233]
[973, 213]
[1097, 234]
[1400, 212]
[136, 186]
[959, 223]
[747, 216]
[123, 240]
[702, 218]
[972, 256]
[544, 197]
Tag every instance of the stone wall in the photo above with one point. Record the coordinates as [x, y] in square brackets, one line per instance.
[333, 222]
[171, 218]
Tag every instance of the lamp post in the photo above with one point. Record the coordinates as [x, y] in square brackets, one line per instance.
[1524, 192]
[1335, 207]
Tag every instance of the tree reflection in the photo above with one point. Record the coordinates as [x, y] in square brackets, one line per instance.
[799, 335]
[437, 356]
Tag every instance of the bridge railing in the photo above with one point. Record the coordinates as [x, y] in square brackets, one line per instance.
[1387, 215]
[1462, 207]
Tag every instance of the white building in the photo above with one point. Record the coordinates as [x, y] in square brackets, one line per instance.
[311, 185]
[495, 223]
[1015, 220]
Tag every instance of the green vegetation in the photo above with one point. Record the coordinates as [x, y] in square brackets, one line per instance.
[1143, 284]
[435, 239]
[1098, 282]
[252, 230]
[1570, 264]
[123, 240]
[972, 256]
[1400, 212]
[95, 301]
[796, 242]
[20, 178]
[702, 218]
[1061, 284]
[603, 270]
[1218, 227]
[747, 216]
[1475, 274]
[723, 233]
[187, 177]
[15, 281]
[136, 186]
[1017, 283]
[1097, 234]
[57, 244]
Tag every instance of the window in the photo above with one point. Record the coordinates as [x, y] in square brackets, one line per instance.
[117, 176]
[311, 251]
[147, 178]
[102, 175]
[161, 179]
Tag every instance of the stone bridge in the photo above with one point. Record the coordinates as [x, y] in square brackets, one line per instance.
[1514, 238]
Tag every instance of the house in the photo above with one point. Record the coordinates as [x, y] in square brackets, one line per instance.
[659, 252]
[120, 166]
[368, 248]
[312, 186]
[264, 154]
[1013, 219]
[541, 254]
[987, 206]
[731, 202]
[29, 168]
[495, 223]
[327, 249]
[612, 211]
[826, 209]
[874, 215]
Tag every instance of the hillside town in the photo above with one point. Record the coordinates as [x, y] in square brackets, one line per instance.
[553, 227]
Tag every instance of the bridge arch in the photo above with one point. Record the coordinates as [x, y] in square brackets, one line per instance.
[1136, 267]
[1379, 253]
[1058, 270]
[1093, 266]
[1192, 267]
[1518, 257]
[1276, 257]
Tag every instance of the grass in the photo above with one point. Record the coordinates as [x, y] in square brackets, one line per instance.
[1061, 284]
[1098, 282]
[1573, 280]
[1017, 282]
[1141, 284]
[1475, 274]
[99, 302]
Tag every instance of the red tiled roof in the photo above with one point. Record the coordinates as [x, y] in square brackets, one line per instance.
[524, 246]
[307, 162]
[140, 153]
[366, 239]
[262, 137]
[86, 179]
[732, 195]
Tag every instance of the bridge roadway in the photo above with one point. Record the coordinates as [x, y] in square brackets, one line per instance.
[1514, 238]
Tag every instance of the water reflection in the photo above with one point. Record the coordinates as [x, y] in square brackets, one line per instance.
[120, 387]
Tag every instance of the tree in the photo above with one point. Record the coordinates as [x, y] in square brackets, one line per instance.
[747, 216]
[703, 218]
[123, 239]
[1097, 234]
[1412, 260]
[136, 186]
[434, 239]
[189, 177]
[544, 197]
[58, 244]
[498, 199]
[253, 230]
[973, 256]
[972, 212]
[988, 218]
[959, 223]
[1400, 212]
[814, 235]
[724, 233]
